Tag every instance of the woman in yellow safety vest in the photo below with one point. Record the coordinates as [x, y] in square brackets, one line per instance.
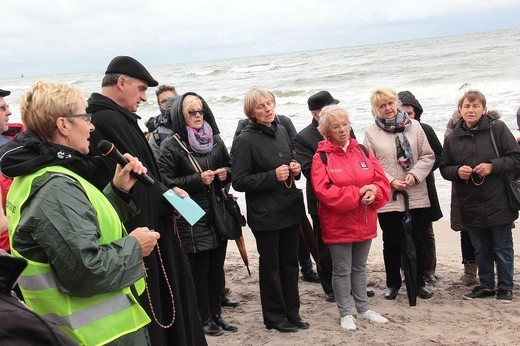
[84, 271]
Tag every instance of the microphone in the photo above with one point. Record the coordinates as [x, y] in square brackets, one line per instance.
[108, 149]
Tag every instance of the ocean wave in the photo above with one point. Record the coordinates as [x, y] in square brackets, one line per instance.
[254, 68]
[208, 72]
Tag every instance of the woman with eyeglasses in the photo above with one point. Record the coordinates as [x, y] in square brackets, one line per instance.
[196, 159]
[470, 161]
[84, 270]
[402, 148]
[265, 169]
[351, 186]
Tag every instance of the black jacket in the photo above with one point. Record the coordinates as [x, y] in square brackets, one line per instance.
[120, 127]
[434, 212]
[485, 205]
[177, 170]
[305, 145]
[256, 153]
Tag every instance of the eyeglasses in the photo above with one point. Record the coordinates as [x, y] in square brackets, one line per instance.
[194, 113]
[87, 117]
[338, 127]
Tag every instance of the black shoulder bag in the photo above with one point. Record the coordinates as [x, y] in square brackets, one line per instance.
[512, 185]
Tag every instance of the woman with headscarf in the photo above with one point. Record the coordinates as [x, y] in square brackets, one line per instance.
[401, 146]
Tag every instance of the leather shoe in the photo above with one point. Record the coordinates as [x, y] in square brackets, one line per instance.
[219, 321]
[430, 279]
[229, 303]
[210, 328]
[391, 293]
[329, 297]
[311, 276]
[424, 293]
[285, 327]
[370, 292]
[300, 323]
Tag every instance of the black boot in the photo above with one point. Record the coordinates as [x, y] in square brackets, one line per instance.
[223, 324]
[211, 328]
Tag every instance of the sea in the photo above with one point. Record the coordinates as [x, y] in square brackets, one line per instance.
[435, 70]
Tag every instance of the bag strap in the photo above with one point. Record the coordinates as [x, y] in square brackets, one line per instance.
[365, 150]
[493, 138]
[190, 155]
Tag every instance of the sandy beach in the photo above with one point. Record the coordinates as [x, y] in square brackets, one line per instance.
[445, 319]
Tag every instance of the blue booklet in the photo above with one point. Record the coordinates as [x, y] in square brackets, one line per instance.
[190, 210]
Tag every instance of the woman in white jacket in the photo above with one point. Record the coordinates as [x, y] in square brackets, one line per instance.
[401, 146]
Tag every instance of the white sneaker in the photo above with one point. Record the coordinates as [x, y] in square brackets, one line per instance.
[372, 316]
[348, 322]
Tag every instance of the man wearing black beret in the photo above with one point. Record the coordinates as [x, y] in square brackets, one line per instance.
[167, 273]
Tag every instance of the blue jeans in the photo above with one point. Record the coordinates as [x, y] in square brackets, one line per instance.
[494, 245]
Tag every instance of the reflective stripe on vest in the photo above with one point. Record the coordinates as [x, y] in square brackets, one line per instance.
[93, 320]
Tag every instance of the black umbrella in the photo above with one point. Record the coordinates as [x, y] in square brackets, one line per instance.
[310, 240]
[408, 254]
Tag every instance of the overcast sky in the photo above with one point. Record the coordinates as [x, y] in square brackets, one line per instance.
[62, 36]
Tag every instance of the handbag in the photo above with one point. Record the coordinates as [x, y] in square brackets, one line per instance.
[226, 217]
[512, 185]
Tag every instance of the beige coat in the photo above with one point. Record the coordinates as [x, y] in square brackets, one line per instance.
[382, 144]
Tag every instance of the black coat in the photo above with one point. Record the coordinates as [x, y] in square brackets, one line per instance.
[120, 127]
[485, 205]
[256, 153]
[176, 169]
[305, 145]
[434, 212]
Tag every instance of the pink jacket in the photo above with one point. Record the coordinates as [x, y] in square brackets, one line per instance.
[343, 218]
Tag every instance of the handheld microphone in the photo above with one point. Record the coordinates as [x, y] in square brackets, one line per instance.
[108, 149]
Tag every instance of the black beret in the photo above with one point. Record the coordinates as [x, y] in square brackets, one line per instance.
[320, 100]
[4, 93]
[131, 67]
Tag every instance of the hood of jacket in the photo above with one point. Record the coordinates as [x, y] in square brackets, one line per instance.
[407, 99]
[176, 118]
[26, 154]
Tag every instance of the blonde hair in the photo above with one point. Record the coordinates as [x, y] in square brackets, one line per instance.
[44, 103]
[254, 96]
[379, 93]
[189, 101]
[329, 112]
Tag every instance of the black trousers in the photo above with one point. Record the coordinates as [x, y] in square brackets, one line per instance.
[325, 268]
[391, 224]
[278, 275]
[206, 269]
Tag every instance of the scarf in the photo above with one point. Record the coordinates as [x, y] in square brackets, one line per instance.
[201, 140]
[397, 125]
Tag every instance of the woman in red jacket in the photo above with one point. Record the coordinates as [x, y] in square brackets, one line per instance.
[350, 186]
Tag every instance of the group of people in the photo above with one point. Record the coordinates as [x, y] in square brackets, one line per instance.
[111, 261]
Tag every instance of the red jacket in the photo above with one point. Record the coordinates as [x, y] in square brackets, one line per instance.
[343, 218]
[5, 183]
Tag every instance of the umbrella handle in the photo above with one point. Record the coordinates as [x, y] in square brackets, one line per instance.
[405, 196]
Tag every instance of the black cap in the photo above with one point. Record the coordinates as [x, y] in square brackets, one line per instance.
[4, 93]
[131, 67]
[320, 100]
